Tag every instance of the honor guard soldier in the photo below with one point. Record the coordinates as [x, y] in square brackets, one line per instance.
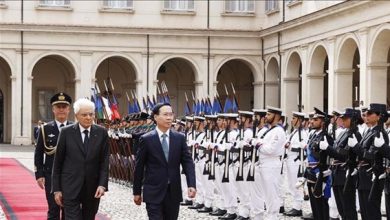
[370, 150]
[189, 133]
[344, 165]
[270, 147]
[295, 145]
[46, 149]
[317, 173]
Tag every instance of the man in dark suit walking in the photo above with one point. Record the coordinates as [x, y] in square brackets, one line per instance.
[46, 148]
[80, 172]
[158, 160]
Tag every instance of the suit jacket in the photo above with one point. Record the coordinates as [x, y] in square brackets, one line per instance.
[73, 166]
[43, 165]
[153, 172]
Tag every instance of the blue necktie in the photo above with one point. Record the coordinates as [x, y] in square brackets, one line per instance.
[165, 146]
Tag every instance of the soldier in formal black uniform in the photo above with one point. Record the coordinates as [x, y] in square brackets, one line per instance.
[46, 148]
[370, 154]
[316, 171]
[344, 164]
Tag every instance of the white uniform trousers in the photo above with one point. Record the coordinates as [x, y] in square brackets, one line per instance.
[219, 202]
[199, 198]
[270, 179]
[229, 192]
[257, 202]
[208, 190]
[243, 192]
[292, 168]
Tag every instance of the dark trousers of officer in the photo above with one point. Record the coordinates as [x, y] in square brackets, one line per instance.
[371, 209]
[54, 210]
[319, 206]
[346, 202]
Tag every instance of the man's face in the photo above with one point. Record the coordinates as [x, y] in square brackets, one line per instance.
[316, 123]
[269, 118]
[295, 122]
[164, 117]
[219, 122]
[85, 116]
[346, 122]
[61, 112]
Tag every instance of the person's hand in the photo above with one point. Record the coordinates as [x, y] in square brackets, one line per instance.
[379, 141]
[191, 192]
[137, 199]
[324, 144]
[41, 182]
[302, 145]
[58, 198]
[99, 192]
[352, 141]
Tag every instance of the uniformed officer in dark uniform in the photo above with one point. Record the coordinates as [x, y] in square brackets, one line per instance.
[344, 164]
[370, 154]
[46, 148]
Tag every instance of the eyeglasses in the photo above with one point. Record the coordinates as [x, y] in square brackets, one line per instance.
[84, 115]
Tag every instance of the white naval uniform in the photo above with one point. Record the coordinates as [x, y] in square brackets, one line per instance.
[199, 166]
[272, 147]
[242, 187]
[257, 202]
[182, 175]
[219, 202]
[296, 143]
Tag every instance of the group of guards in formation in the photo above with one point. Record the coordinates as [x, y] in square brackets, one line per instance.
[241, 160]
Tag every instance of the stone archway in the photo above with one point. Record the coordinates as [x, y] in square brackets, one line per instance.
[271, 83]
[347, 75]
[318, 80]
[5, 102]
[51, 74]
[122, 73]
[293, 84]
[179, 77]
[378, 70]
[238, 73]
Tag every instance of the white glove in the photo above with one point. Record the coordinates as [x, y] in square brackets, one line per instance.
[379, 141]
[191, 142]
[352, 141]
[207, 144]
[324, 144]
[302, 145]
[241, 144]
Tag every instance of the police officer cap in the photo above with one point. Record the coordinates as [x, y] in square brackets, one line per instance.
[143, 116]
[350, 113]
[211, 117]
[319, 114]
[336, 113]
[189, 118]
[61, 98]
[274, 110]
[377, 108]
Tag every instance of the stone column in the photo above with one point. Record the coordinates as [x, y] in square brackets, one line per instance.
[343, 88]
[290, 94]
[22, 132]
[363, 78]
[331, 75]
[315, 85]
[86, 79]
[377, 83]
[258, 88]
[305, 88]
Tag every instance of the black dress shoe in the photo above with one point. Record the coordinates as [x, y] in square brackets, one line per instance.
[205, 210]
[196, 206]
[241, 218]
[308, 217]
[306, 197]
[228, 216]
[218, 212]
[330, 218]
[281, 209]
[186, 203]
[293, 212]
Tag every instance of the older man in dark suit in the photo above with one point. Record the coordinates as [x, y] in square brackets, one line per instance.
[80, 172]
[160, 154]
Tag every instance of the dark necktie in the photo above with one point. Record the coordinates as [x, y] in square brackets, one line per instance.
[62, 125]
[86, 139]
[164, 144]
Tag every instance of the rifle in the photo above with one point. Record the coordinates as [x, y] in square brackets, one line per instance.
[251, 172]
[301, 154]
[351, 161]
[225, 177]
[212, 165]
[240, 173]
[317, 192]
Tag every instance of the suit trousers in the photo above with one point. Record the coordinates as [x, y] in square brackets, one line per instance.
[84, 207]
[346, 202]
[371, 209]
[319, 206]
[166, 210]
[54, 210]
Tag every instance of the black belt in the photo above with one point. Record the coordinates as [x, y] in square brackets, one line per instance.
[297, 150]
